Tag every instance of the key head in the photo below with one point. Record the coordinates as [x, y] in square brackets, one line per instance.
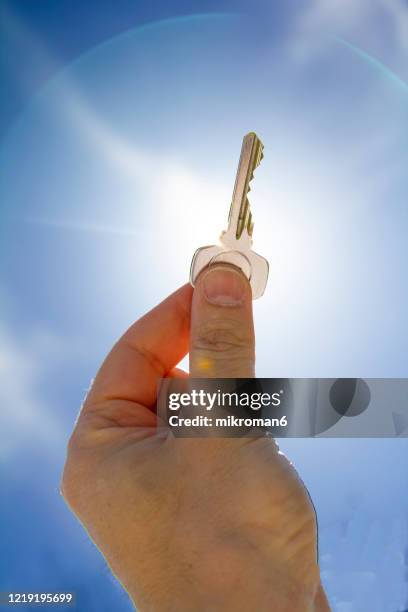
[255, 267]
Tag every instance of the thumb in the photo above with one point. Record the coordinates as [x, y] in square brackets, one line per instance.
[222, 343]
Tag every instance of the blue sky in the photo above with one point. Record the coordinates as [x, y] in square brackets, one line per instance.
[120, 131]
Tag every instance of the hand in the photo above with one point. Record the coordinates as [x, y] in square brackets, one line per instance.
[190, 524]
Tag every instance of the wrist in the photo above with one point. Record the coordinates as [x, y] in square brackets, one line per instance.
[230, 584]
[186, 597]
[321, 603]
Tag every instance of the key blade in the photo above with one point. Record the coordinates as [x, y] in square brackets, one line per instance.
[240, 217]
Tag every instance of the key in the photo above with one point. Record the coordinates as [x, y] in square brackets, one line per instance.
[236, 242]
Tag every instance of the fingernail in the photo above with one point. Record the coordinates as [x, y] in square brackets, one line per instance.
[224, 287]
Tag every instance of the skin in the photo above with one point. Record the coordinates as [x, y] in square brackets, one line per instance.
[199, 524]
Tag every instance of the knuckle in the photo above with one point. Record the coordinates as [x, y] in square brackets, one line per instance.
[222, 337]
[67, 486]
[72, 489]
[71, 483]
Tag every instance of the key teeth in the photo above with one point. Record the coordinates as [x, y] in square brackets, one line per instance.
[250, 224]
[257, 163]
[245, 222]
[259, 160]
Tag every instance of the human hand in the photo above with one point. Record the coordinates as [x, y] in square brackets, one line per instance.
[190, 524]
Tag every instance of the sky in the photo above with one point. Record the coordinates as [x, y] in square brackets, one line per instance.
[120, 130]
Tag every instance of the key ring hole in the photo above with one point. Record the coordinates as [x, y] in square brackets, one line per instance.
[236, 258]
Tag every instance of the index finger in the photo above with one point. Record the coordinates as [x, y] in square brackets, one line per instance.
[147, 351]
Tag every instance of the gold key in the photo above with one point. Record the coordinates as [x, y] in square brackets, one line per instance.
[236, 242]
